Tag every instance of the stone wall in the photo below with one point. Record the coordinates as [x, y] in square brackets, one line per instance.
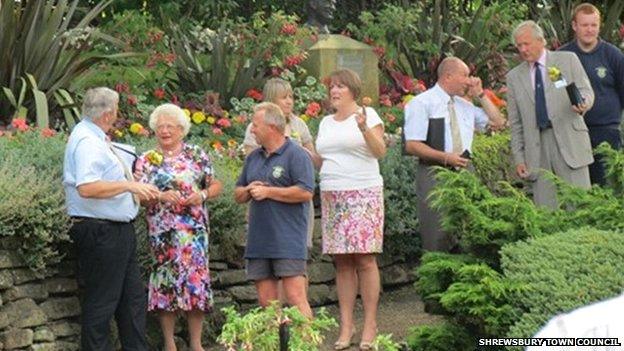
[41, 312]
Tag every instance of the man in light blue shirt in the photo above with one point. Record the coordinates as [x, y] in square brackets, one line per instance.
[102, 199]
[441, 110]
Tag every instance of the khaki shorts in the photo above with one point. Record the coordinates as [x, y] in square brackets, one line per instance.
[269, 268]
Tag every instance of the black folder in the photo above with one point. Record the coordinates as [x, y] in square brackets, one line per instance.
[435, 137]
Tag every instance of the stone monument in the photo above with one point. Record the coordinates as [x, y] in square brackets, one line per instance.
[334, 51]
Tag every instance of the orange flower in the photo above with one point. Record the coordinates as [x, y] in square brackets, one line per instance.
[47, 132]
[217, 145]
[20, 124]
[498, 102]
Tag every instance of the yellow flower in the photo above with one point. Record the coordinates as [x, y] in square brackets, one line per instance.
[305, 117]
[154, 157]
[226, 114]
[198, 117]
[118, 133]
[187, 112]
[232, 143]
[211, 120]
[554, 73]
[136, 128]
[407, 98]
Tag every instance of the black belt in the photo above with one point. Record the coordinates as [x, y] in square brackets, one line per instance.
[78, 219]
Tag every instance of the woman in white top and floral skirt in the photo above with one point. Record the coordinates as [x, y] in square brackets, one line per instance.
[349, 143]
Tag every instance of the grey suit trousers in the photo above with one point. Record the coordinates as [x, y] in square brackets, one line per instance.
[544, 192]
[432, 236]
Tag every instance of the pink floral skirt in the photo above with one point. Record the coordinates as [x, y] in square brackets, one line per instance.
[352, 221]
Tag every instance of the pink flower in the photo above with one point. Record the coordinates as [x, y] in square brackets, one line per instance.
[391, 117]
[622, 32]
[224, 123]
[20, 124]
[293, 60]
[122, 88]
[313, 109]
[288, 29]
[384, 100]
[47, 132]
[217, 131]
[132, 100]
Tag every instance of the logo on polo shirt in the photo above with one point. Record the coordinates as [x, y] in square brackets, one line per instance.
[277, 171]
[601, 71]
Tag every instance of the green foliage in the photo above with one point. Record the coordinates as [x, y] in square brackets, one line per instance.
[42, 42]
[613, 167]
[32, 202]
[491, 157]
[384, 342]
[258, 329]
[437, 271]
[561, 272]
[226, 62]
[417, 35]
[440, 337]
[401, 208]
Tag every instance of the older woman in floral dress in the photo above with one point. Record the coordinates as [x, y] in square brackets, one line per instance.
[178, 224]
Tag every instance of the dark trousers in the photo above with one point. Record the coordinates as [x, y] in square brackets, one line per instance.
[109, 277]
[597, 135]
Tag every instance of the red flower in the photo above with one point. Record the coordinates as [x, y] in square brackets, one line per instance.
[294, 60]
[254, 94]
[288, 29]
[420, 86]
[132, 100]
[169, 58]
[174, 99]
[47, 132]
[122, 88]
[276, 71]
[368, 41]
[380, 51]
[224, 123]
[313, 109]
[498, 102]
[159, 93]
[20, 124]
[622, 32]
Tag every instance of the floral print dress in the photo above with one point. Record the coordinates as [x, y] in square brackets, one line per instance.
[178, 235]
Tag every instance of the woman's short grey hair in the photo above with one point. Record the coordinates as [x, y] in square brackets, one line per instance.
[98, 101]
[536, 30]
[274, 88]
[170, 110]
[272, 115]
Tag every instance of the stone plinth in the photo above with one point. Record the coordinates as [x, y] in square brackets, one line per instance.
[334, 51]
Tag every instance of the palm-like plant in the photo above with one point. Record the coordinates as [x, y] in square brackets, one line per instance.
[44, 49]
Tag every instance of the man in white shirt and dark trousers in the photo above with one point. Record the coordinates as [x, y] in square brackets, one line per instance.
[441, 114]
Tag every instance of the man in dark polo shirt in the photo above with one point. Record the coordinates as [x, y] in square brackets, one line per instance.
[278, 179]
[604, 65]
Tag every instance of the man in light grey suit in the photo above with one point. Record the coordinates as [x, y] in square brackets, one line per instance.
[547, 132]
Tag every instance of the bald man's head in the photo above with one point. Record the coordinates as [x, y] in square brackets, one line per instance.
[453, 76]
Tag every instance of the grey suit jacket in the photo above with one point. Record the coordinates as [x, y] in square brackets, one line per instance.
[569, 127]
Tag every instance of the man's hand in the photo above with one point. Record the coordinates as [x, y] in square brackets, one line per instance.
[580, 108]
[475, 87]
[522, 171]
[259, 192]
[456, 161]
[144, 191]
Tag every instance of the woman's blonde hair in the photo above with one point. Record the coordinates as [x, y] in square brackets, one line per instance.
[274, 88]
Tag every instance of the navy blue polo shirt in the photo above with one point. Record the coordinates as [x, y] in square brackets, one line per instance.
[278, 229]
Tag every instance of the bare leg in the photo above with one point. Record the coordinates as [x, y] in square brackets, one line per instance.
[194, 319]
[267, 291]
[346, 286]
[368, 274]
[167, 324]
[295, 291]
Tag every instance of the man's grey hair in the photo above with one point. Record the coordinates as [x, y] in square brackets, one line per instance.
[98, 101]
[170, 110]
[272, 115]
[536, 30]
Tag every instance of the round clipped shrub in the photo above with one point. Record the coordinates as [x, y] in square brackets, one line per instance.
[561, 272]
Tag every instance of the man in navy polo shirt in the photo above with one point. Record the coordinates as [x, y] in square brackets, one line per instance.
[604, 65]
[278, 179]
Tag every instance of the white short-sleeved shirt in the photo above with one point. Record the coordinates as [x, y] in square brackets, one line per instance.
[433, 103]
[348, 163]
[88, 159]
[296, 129]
